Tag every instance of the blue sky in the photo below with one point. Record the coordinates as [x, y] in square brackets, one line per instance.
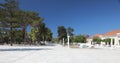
[85, 16]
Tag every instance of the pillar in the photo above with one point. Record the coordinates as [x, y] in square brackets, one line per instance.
[68, 41]
[111, 42]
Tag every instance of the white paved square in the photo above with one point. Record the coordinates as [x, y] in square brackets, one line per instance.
[57, 54]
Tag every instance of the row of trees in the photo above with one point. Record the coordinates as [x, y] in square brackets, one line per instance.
[98, 40]
[14, 22]
[80, 39]
[40, 33]
[64, 32]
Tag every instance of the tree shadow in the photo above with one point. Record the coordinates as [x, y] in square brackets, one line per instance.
[50, 45]
[25, 49]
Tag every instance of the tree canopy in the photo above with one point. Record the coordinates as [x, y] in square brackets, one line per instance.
[97, 39]
[80, 39]
[107, 40]
[15, 21]
[62, 32]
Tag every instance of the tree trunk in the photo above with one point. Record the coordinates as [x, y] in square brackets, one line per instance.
[24, 35]
[43, 39]
[11, 36]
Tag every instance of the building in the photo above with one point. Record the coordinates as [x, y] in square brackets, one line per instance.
[89, 40]
[113, 35]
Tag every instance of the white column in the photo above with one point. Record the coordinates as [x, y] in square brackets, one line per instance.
[116, 41]
[91, 43]
[111, 42]
[107, 43]
[68, 41]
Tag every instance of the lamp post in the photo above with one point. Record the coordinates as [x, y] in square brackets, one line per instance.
[68, 37]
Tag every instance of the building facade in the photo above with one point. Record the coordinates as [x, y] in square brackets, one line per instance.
[113, 35]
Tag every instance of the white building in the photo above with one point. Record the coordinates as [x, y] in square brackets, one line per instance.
[113, 35]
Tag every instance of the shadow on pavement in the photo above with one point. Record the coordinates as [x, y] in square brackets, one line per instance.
[25, 49]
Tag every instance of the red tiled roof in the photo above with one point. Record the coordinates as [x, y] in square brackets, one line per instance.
[114, 32]
[97, 35]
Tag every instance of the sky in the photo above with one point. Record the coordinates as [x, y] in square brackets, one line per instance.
[84, 16]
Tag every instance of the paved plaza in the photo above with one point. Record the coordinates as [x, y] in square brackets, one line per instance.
[57, 54]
